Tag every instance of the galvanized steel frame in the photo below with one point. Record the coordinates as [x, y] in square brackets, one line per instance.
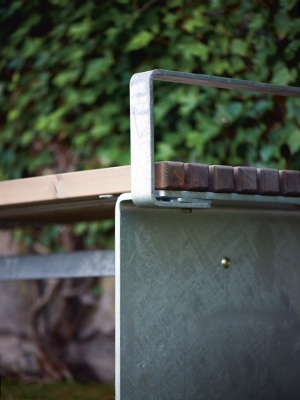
[76, 264]
[142, 125]
[146, 239]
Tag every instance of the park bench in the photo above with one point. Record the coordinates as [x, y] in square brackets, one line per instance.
[206, 261]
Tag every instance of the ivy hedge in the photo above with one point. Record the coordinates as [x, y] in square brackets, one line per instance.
[65, 67]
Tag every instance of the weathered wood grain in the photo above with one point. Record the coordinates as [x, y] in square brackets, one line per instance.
[268, 181]
[169, 175]
[74, 196]
[289, 183]
[221, 179]
[71, 185]
[245, 179]
[196, 177]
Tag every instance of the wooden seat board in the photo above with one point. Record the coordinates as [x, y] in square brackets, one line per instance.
[74, 196]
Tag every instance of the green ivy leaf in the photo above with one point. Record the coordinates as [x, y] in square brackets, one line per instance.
[288, 4]
[96, 67]
[142, 39]
[239, 47]
[282, 75]
[294, 138]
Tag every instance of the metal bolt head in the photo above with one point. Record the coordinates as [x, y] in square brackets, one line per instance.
[226, 262]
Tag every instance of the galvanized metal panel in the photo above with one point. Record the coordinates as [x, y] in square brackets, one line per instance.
[189, 329]
[77, 264]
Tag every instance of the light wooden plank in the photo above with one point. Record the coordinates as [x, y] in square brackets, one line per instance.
[67, 186]
[74, 196]
[51, 212]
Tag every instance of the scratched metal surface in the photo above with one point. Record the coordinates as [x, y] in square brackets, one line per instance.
[189, 329]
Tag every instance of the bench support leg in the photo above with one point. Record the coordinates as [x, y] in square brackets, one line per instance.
[190, 328]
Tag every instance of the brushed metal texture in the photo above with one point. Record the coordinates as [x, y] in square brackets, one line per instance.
[189, 329]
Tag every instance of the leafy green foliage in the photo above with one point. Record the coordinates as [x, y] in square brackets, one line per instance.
[65, 68]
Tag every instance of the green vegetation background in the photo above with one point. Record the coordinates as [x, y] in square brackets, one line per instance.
[65, 67]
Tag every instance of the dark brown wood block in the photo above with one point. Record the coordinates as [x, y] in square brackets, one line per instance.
[245, 179]
[268, 181]
[196, 177]
[289, 183]
[169, 175]
[221, 179]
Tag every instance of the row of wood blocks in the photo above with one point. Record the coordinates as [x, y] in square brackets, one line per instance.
[226, 179]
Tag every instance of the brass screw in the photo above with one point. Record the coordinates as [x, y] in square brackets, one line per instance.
[226, 262]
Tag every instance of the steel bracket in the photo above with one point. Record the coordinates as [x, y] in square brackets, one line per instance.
[142, 128]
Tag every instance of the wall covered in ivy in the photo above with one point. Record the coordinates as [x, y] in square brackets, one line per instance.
[65, 67]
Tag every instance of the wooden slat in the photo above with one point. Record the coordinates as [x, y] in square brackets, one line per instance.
[169, 175]
[268, 181]
[72, 185]
[245, 179]
[221, 179]
[289, 183]
[74, 196]
[51, 212]
[196, 177]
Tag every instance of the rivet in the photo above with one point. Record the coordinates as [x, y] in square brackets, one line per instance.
[226, 262]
